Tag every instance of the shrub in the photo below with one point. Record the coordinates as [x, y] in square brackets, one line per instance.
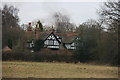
[18, 56]
[54, 55]
[43, 55]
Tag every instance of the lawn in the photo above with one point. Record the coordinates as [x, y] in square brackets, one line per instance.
[19, 69]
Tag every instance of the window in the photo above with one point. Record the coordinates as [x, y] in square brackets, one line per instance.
[51, 37]
[56, 43]
[31, 45]
[46, 42]
[50, 42]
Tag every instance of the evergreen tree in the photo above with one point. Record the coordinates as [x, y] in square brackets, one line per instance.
[40, 26]
[38, 45]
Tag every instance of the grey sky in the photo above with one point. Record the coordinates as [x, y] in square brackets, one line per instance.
[77, 11]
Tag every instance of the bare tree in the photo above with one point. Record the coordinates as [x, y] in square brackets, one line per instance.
[110, 13]
[62, 22]
[10, 27]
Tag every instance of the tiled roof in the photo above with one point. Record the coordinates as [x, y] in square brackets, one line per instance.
[66, 37]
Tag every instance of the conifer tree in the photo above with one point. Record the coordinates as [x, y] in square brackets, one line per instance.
[40, 25]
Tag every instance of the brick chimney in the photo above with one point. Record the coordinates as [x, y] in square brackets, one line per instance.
[37, 32]
[29, 32]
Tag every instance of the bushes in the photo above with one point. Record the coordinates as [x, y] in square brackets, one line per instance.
[46, 55]
[54, 55]
[49, 57]
[18, 56]
[38, 45]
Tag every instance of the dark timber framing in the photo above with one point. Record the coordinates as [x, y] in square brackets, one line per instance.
[52, 41]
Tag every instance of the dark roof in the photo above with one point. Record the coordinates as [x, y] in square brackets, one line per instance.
[54, 36]
[44, 35]
[66, 37]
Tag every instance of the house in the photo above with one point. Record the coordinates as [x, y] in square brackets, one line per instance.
[53, 40]
[60, 40]
[30, 43]
[72, 45]
[70, 41]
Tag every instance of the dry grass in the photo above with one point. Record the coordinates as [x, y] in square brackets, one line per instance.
[56, 70]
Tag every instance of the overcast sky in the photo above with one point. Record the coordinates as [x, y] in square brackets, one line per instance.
[78, 12]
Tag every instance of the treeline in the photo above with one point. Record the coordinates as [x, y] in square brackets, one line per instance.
[96, 44]
[98, 39]
[13, 35]
[45, 55]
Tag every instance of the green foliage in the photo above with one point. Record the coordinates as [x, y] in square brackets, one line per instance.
[81, 55]
[89, 35]
[40, 25]
[98, 45]
[39, 44]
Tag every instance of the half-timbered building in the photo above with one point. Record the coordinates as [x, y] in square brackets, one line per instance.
[52, 41]
[72, 45]
[60, 41]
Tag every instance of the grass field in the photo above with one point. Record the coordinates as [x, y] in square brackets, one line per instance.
[18, 69]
